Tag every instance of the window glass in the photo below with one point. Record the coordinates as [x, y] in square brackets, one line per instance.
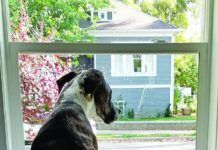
[108, 20]
[157, 112]
[137, 60]
[109, 15]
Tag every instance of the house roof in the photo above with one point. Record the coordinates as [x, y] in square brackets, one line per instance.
[128, 18]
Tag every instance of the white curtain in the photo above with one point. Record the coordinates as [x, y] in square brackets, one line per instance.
[117, 65]
[148, 64]
[128, 64]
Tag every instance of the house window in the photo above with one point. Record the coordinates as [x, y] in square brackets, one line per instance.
[95, 14]
[103, 15]
[109, 15]
[133, 65]
[137, 61]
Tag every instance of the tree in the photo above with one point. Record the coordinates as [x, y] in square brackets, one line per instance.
[45, 21]
[51, 18]
[186, 71]
[39, 92]
[169, 11]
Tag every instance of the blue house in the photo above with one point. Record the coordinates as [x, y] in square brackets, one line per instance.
[143, 83]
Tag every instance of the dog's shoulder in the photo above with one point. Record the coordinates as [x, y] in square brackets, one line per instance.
[66, 128]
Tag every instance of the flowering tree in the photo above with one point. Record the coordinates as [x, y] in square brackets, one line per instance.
[38, 75]
[45, 21]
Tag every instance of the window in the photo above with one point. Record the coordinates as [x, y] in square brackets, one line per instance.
[110, 15]
[137, 61]
[103, 15]
[133, 65]
[14, 128]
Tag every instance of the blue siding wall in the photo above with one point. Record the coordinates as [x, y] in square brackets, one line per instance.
[154, 103]
[155, 100]
[103, 63]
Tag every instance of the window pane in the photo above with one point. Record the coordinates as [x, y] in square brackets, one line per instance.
[109, 15]
[107, 21]
[157, 112]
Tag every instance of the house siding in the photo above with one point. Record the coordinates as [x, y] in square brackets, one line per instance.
[154, 103]
[155, 100]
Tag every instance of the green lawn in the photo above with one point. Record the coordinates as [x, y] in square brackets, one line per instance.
[127, 136]
[174, 118]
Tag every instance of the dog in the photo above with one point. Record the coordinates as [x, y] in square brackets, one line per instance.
[67, 128]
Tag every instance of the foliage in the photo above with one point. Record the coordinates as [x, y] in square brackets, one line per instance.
[188, 100]
[173, 118]
[51, 18]
[132, 3]
[168, 112]
[186, 71]
[140, 136]
[46, 21]
[130, 113]
[38, 75]
[169, 11]
[177, 99]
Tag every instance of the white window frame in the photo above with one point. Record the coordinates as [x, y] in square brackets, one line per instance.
[105, 13]
[10, 75]
[133, 74]
[13, 103]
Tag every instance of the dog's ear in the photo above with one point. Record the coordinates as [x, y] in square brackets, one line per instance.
[91, 80]
[64, 79]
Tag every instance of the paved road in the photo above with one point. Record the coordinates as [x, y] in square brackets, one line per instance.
[189, 145]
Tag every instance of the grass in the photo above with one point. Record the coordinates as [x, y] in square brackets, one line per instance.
[174, 118]
[128, 136]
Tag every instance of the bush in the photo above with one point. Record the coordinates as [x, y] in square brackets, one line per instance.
[130, 113]
[168, 112]
[177, 100]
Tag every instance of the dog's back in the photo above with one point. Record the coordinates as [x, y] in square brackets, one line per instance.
[66, 129]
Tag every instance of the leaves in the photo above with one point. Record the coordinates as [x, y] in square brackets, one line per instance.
[56, 19]
[38, 75]
[186, 71]
[46, 21]
[169, 11]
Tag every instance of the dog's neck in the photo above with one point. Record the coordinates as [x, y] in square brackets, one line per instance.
[75, 93]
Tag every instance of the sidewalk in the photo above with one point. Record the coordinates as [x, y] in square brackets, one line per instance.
[145, 131]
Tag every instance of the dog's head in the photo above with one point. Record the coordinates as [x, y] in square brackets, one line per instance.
[92, 86]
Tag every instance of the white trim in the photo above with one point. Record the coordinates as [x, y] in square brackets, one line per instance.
[105, 11]
[134, 74]
[108, 48]
[212, 37]
[172, 83]
[95, 63]
[147, 48]
[146, 86]
[135, 33]
[10, 81]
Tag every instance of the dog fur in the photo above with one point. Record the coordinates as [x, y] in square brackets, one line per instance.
[68, 128]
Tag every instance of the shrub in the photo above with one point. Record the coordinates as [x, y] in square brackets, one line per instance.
[177, 99]
[168, 112]
[130, 113]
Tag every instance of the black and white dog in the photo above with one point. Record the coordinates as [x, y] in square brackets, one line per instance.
[68, 128]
